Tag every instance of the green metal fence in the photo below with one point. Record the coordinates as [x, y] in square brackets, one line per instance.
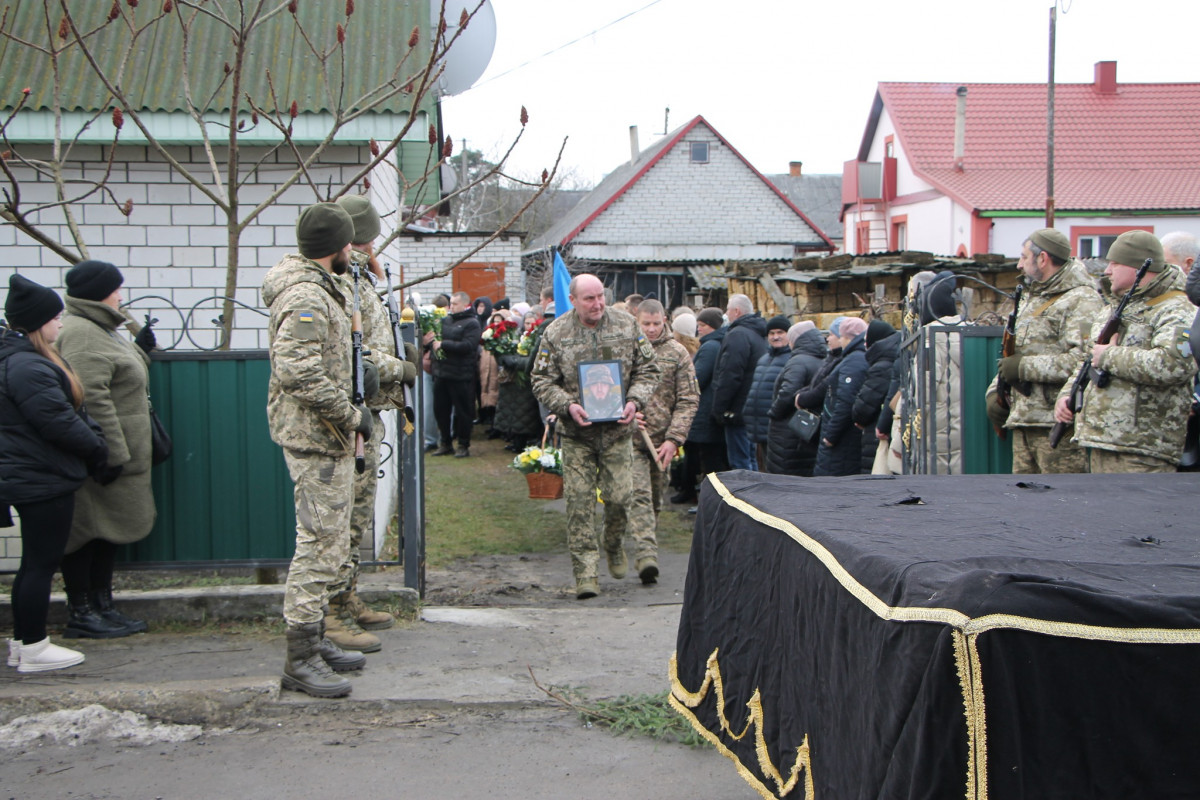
[225, 494]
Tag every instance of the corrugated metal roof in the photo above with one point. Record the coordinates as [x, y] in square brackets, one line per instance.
[376, 40]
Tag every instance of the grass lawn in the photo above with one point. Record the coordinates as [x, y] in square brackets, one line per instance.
[481, 506]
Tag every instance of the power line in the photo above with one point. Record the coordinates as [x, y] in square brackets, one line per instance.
[568, 44]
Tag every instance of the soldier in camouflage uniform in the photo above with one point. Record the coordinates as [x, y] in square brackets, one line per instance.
[666, 419]
[312, 418]
[1137, 422]
[593, 453]
[348, 618]
[1053, 323]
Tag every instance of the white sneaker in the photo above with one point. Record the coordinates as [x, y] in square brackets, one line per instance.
[43, 656]
[14, 652]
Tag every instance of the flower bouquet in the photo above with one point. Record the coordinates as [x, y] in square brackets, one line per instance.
[542, 467]
[500, 338]
[429, 318]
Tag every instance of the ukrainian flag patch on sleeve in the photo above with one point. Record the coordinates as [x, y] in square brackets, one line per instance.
[306, 316]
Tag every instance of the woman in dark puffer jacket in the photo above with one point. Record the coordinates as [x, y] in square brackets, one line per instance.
[840, 452]
[47, 449]
[812, 395]
[762, 385]
[883, 347]
[786, 454]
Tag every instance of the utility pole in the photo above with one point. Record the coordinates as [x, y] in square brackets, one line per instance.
[1050, 125]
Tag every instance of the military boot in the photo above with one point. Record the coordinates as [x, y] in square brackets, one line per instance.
[444, 449]
[618, 563]
[367, 618]
[586, 588]
[647, 569]
[342, 630]
[339, 660]
[305, 670]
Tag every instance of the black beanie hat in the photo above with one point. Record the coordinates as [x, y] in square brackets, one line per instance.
[712, 317]
[323, 229]
[29, 305]
[501, 304]
[93, 280]
[878, 330]
[779, 323]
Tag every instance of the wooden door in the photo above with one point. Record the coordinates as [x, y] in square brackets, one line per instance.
[480, 279]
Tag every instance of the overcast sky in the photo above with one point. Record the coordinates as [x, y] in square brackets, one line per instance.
[782, 80]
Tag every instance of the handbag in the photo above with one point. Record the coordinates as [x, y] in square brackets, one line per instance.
[805, 424]
[160, 441]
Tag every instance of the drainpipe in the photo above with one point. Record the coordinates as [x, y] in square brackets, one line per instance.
[960, 128]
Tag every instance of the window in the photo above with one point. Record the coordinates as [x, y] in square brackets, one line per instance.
[1095, 246]
[900, 233]
[699, 152]
[889, 147]
[1093, 241]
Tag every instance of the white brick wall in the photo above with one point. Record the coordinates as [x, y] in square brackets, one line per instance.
[173, 245]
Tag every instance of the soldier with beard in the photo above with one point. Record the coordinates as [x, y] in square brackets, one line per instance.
[313, 419]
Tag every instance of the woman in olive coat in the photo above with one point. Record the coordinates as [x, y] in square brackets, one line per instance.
[115, 377]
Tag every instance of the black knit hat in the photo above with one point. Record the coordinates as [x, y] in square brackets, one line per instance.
[712, 317]
[778, 323]
[93, 280]
[29, 305]
[323, 229]
[878, 330]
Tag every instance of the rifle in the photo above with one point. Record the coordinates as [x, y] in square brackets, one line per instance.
[398, 341]
[1084, 376]
[1008, 347]
[358, 389]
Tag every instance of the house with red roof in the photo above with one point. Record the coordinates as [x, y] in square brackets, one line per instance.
[961, 169]
[662, 221]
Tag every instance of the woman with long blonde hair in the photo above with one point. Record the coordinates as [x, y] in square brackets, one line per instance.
[47, 449]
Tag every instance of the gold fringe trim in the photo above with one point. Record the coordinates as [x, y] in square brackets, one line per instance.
[683, 700]
[949, 616]
[970, 680]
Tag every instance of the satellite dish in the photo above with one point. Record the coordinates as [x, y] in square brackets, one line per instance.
[472, 51]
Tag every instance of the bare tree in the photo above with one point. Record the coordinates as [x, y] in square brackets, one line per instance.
[106, 43]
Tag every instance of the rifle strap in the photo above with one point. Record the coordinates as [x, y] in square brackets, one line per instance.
[1164, 297]
[1042, 308]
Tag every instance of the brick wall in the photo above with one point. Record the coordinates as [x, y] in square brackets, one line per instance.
[172, 249]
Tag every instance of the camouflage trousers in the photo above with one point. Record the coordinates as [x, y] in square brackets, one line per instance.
[639, 519]
[1110, 461]
[1033, 455]
[362, 516]
[604, 463]
[324, 492]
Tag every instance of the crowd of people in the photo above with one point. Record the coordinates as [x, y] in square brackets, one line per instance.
[644, 399]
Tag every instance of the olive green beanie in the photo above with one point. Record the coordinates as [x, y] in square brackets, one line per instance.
[1132, 248]
[364, 215]
[323, 229]
[1053, 242]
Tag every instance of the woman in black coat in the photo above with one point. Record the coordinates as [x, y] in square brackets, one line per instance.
[47, 449]
[840, 452]
[786, 454]
[762, 385]
[883, 347]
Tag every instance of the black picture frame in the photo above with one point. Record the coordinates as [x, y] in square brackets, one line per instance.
[601, 409]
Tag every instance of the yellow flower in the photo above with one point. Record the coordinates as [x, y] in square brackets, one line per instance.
[534, 453]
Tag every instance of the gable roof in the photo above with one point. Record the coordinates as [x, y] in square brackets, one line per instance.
[1129, 149]
[819, 195]
[624, 177]
[154, 74]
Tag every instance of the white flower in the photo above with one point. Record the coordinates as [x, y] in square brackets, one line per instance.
[548, 461]
[487, 334]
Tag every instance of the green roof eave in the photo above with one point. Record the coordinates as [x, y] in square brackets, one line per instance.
[1090, 212]
[37, 127]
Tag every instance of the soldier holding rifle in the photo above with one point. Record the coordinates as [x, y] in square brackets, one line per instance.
[1134, 408]
[312, 418]
[1053, 320]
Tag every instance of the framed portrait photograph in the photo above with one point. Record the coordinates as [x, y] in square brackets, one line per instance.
[601, 392]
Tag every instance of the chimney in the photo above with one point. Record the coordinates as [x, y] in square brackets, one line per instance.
[960, 127]
[634, 149]
[1106, 77]
[794, 168]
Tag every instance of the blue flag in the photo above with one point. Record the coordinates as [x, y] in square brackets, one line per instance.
[562, 285]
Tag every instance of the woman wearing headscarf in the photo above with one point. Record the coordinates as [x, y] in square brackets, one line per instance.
[115, 377]
[47, 449]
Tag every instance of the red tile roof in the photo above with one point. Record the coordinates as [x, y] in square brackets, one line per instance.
[1137, 148]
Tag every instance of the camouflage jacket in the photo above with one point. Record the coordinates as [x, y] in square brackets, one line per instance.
[377, 336]
[566, 342]
[673, 405]
[1053, 324]
[1144, 408]
[309, 344]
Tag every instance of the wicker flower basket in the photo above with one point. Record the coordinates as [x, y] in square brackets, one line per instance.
[544, 485]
